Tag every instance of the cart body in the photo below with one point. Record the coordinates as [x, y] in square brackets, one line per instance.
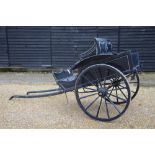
[127, 62]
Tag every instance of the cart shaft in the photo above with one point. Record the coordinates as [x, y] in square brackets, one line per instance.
[43, 91]
[53, 93]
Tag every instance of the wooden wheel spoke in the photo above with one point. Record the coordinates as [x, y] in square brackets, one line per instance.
[92, 76]
[118, 97]
[97, 78]
[122, 87]
[99, 108]
[100, 76]
[90, 89]
[122, 92]
[120, 80]
[89, 80]
[115, 89]
[128, 75]
[91, 103]
[114, 105]
[111, 80]
[109, 72]
[105, 82]
[111, 91]
[109, 87]
[107, 110]
[88, 96]
[100, 72]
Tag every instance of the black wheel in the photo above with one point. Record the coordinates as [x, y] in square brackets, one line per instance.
[134, 83]
[95, 92]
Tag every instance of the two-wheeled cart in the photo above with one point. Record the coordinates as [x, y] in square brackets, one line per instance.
[104, 82]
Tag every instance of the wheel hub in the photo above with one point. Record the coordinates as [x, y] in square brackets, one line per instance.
[102, 92]
[116, 83]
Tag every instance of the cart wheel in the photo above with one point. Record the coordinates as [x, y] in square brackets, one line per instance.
[134, 83]
[95, 92]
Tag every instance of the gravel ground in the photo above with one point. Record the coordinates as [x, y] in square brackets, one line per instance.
[54, 112]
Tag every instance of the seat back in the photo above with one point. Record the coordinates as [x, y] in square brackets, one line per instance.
[90, 52]
[103, 47]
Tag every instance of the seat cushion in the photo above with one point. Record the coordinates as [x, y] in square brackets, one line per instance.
[65, 79]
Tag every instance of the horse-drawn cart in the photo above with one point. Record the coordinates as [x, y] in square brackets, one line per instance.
[104, 82]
